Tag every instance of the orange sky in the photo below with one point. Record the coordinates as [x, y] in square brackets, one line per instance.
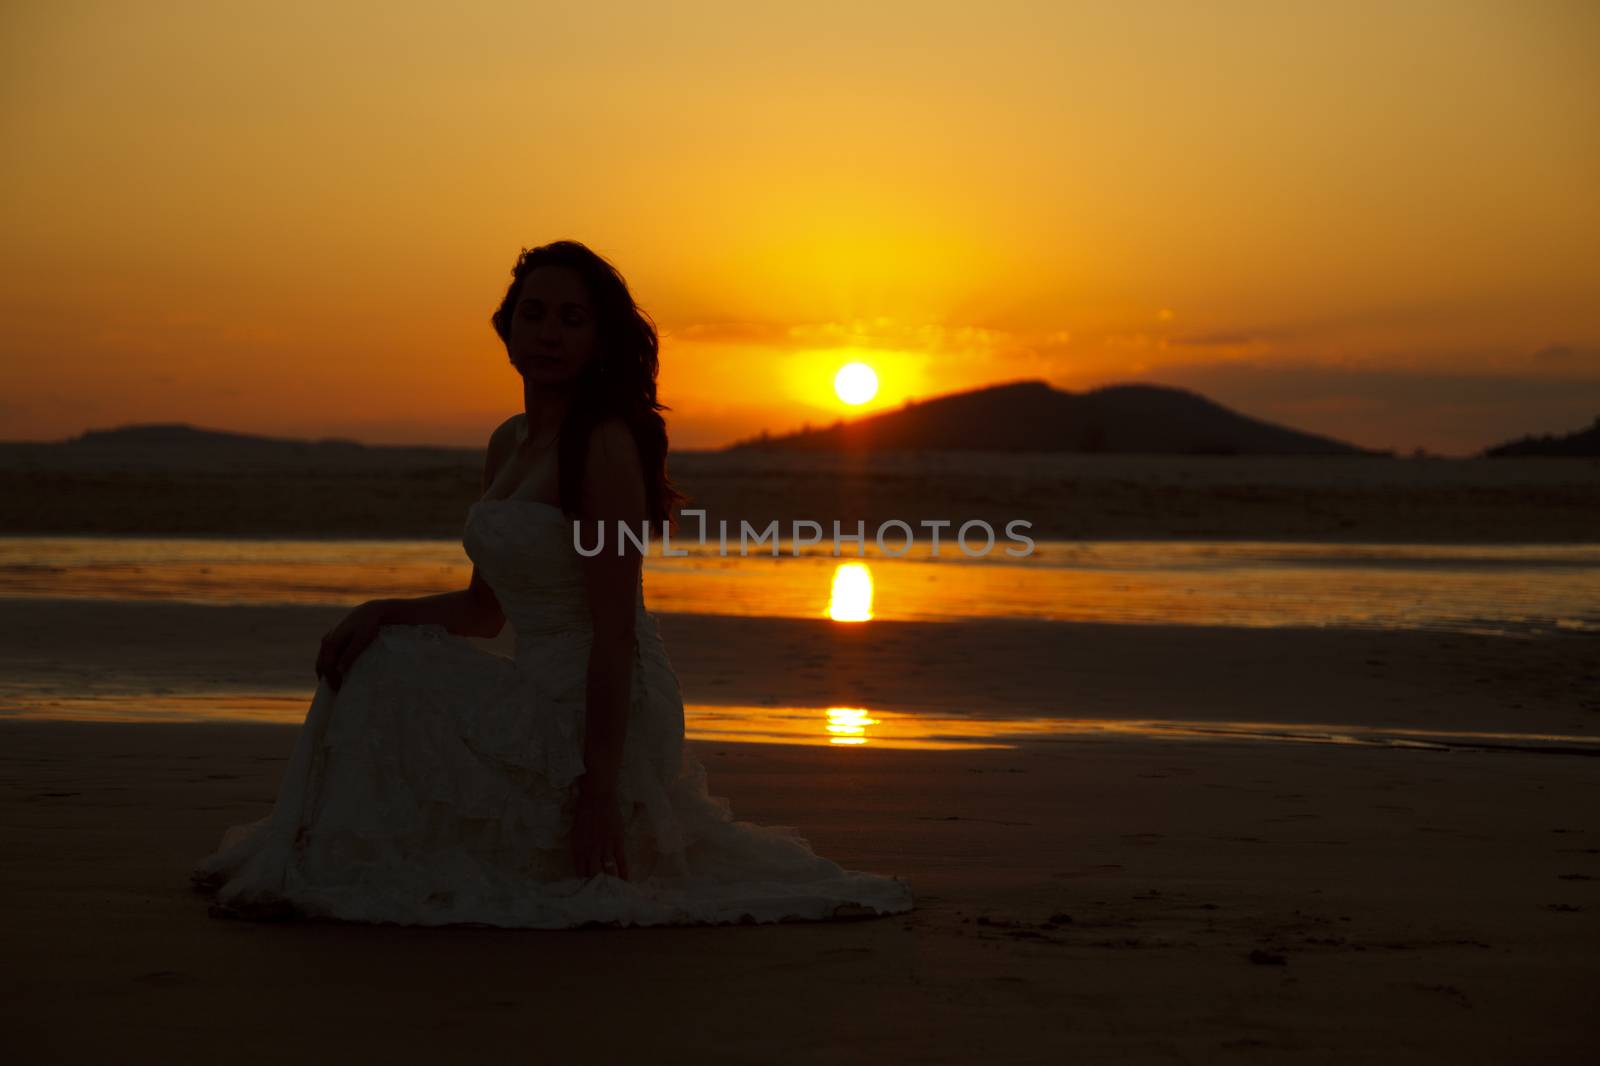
[1377, 221]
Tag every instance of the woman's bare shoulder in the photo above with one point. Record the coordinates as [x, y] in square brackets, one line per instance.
[502, 442]
[507, 430]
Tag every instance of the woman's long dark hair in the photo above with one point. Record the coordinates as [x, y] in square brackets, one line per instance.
[620, 379]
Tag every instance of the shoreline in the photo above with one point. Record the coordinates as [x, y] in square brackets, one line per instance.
[1243, 538]
[779, 726]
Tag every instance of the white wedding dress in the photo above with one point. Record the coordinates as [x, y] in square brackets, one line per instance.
[437, 785]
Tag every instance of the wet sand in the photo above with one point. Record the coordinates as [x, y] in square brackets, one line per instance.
[1130, 901]
[1407, 679]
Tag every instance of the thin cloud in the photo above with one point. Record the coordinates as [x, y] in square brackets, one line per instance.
[1568, 358]
[1216, 340]
[881, 332]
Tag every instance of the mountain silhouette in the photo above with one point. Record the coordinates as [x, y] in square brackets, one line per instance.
[165, 436]
[180, 446]
[1578, 442]
[1031, 416]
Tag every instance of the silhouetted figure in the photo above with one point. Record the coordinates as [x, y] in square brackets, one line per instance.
[435, 782]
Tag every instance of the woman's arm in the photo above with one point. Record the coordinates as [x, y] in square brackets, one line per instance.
[613, 492]
[470, 612]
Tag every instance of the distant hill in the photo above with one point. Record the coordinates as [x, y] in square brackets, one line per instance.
[1578, 442]
[1031, 416]
[164, 436]
[179, 446]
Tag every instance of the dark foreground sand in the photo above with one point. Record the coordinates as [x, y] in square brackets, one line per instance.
[1149, 901]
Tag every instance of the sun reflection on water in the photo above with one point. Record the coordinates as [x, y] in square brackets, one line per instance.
[848, 725]
[1517, 590]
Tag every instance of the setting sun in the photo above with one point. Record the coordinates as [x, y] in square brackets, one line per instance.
[856, 383]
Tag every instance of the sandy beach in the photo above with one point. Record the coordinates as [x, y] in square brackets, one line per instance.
[1134, 902]
[1138, 899]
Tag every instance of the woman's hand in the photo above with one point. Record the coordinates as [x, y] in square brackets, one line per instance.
[597, 836]
[346, 641]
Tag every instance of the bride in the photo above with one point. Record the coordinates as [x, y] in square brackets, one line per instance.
[435, 782]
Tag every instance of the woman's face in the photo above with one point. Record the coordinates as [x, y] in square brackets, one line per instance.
[552, 327]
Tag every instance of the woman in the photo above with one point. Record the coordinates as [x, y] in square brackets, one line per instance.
[435, 782]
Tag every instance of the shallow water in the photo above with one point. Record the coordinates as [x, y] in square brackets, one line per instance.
[1489, 589]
